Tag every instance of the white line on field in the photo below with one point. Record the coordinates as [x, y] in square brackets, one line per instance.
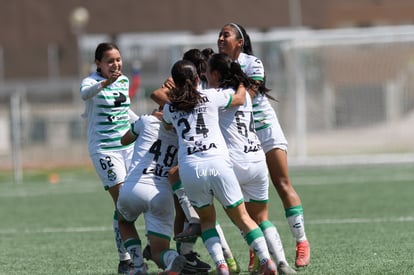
[226, 224]
[362, 220]
[56, 230]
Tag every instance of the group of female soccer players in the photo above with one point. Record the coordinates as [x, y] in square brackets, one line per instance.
[216, 142]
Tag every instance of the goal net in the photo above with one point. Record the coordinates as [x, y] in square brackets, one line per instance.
[346, 95]
[343, 95]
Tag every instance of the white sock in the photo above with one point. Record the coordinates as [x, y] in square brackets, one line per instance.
[188, 209]
[296, 222]
[257, 243]
[167, 258]
[133, 246]
[186, 247]
[273, 241]
[226, 248]
[122, 252]
[211, 241]
[297, 227]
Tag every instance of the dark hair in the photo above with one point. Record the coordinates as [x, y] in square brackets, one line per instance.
[207, 52]
[248, 49]
[198, 59]
[242, 34]
[184, 96]
[262, 89]
[102, 48]
[231, 74]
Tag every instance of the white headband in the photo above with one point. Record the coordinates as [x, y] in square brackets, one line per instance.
[239, 30]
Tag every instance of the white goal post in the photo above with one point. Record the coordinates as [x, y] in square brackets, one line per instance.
[345, 96]
[353, 95]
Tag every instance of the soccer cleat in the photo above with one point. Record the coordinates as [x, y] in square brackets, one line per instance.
[222, 269]
[138, 270]
[268, 268]
[194, 265]
[254, 265]
[302, 254]
[192, 232]
[233, 265]
[284, 268]
[251, 260]
[176, 266]
[124, 266]
[146, 253]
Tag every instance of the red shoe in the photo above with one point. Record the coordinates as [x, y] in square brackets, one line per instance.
[268, 268]
[302, 254]
[176, 266]
[223, 269]
[251, 261]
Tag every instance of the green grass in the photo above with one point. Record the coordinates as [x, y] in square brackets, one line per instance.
[359, 220]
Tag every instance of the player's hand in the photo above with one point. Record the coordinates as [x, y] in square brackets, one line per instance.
[157, 113]
[169, 83]
[111, 79]
[114, 76]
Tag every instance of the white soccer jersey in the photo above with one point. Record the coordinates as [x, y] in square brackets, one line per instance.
[155, 152]
[262, 110]
[264, 115]
[205, 167]
[245, 149]
[146, 188]
[237, 126]
[201, 138]
[107, 112]
[251, 66]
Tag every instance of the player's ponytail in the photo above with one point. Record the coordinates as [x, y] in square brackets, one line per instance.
[184, 96]
[231, 74]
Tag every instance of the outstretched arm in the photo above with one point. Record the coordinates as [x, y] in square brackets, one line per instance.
[89, 90]
[239, 97]
[160, 95]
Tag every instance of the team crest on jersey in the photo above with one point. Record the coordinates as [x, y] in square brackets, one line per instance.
[119, 99]
[111, 175]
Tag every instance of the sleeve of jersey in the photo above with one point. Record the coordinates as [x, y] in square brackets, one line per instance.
[89, 88]
[166, 115]
[256, 70]
[137, 126]
[132, 116]
[224, 99]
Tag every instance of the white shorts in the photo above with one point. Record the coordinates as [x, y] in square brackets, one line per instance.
[272, 137]
[253, 178]
[112, 166]
[155, 201]
[211, 178]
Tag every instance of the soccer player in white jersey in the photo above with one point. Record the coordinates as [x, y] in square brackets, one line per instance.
[108, 113]
[246, 154]
[147, 191]
[234, 41]
[204, 165]
[187, 235]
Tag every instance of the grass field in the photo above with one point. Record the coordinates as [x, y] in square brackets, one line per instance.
[359, 220]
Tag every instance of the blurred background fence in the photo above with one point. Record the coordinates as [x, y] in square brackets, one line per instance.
[344, 95]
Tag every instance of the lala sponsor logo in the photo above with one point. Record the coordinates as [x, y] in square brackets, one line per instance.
[200, 147]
